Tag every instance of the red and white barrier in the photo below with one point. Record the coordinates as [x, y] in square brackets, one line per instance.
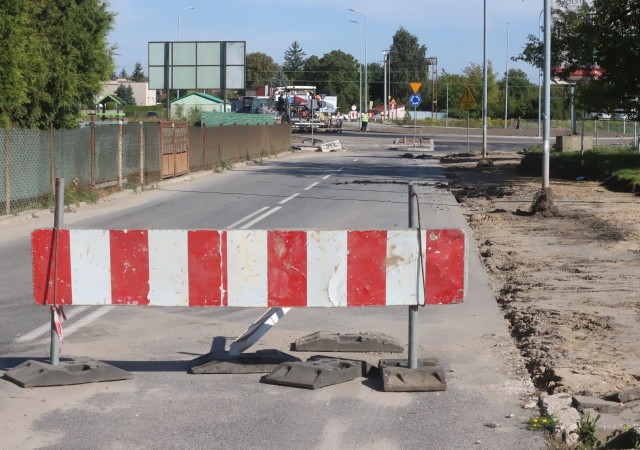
[249, 268]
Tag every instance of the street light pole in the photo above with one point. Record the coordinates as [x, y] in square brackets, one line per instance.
[547, 93]
[384, 83]
[540, 80]
[366, 86]
[506, 86]
[484, 85]
[186, 8]
[360, 73]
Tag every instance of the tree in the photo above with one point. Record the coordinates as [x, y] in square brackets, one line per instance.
[522, 95]
[336, 73]
[452, 88]
[474, 76]
[294, 62]
[14, 23]
[125, 93]
[261, 70]
[605, 36]
[408, 63]
[67, 58]
[138, 73]
[123, 74]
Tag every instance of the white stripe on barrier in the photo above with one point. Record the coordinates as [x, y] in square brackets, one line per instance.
[401, 277]
[91, 266]
[247, 267]
[327, 281]
[168, 268]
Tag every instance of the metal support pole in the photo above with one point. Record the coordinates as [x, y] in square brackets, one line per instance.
[413, 310]
[54, 354]
[484, 85]
[574, 125]
[446, 120]
[7, 175]
[506, 86]
[119, 155]
[546, 148]
[384, 84]
[141, 155]
[415, 125]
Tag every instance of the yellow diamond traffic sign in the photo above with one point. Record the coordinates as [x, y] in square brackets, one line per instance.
[415, 86]
[467, 101]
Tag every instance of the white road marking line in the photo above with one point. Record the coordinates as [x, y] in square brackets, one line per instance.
[35, 334]
[325, 177]
[86, 320]
[312, 185]
[282, 202]
[259, 218]
[233, 225]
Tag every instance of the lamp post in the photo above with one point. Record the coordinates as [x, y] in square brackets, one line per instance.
[540, 80]
[384, 83]
[547, 93]
[186, 8]
[366, 86]
[506, 86]
[359, 72]
[484, 85]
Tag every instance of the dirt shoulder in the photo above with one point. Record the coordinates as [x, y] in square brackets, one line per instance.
[567, 284]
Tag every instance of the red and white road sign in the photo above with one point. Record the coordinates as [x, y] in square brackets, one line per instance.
[249, 268]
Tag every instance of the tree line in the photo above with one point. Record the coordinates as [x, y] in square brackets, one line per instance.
[603, 36]
[54, 57]
[337, 73]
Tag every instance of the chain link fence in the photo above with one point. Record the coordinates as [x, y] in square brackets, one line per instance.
[122, 155]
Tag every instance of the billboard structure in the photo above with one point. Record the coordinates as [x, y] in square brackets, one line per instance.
[197, 65]
[572, 5]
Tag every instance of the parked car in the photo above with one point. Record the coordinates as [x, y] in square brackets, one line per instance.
[620, 114]
[598, 116]
[151, 114]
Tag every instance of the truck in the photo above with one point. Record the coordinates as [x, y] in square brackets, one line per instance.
[305, 110]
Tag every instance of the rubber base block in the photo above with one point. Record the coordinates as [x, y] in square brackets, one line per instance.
[39, 374]
[315, 373]
[398, 377]
[323, 341]
[262, 361]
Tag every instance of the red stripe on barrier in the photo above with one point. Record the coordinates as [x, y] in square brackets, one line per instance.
[287, 268]
[207, 268]
[44, 267]
[445, 266]
[366, 268]
[129, 267]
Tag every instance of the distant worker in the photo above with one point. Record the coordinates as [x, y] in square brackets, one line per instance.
[518, 123]
[280, 106]
[365, 121]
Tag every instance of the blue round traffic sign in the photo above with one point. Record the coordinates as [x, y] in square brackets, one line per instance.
[415, 99]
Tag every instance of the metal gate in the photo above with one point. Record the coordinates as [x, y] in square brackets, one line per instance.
[174, 148]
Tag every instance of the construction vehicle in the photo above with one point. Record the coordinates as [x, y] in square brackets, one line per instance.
[305, 110]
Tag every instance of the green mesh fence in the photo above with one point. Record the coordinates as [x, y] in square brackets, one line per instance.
[116, 155]
[220, 118]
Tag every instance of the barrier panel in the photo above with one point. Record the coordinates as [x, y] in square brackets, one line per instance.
[249, 268]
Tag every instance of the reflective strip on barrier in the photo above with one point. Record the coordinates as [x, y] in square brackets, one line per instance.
[249, 268]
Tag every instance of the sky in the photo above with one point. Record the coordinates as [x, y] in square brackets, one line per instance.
[452, 30]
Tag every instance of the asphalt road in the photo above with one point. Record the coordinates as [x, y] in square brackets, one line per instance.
[165, 407]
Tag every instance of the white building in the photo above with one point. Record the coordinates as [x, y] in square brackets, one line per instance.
[143, 95]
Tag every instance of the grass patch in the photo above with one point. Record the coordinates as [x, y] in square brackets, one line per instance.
[618, 168]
